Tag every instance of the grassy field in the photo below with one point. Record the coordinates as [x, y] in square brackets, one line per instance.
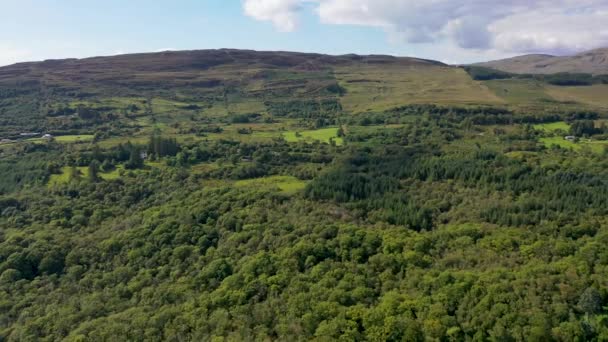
[65, 139]
[64, 177]
[593, 145]
[323, 135]
[259, 132]
[561, 142]
[158, 105]
[563, 126]
[144, 138]
[203, 167]
[520, 154]
[381, 87]
[595, 95]
[117, 102]
[286, 184]
[74, 138]
[553, 126]
[520, 92]
[115, 141]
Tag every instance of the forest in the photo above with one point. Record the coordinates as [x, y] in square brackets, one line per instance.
[560, 79]
[215, 213]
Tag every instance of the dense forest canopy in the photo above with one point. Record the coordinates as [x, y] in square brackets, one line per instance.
[561, 79]
[255, 199]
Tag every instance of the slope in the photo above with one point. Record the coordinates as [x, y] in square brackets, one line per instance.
[591, 62]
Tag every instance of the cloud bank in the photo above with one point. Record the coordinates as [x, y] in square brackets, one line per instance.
[515, 26]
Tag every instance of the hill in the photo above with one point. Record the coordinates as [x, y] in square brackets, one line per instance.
[192, 64]
[223, 82]
[591, 62]
[230, 195]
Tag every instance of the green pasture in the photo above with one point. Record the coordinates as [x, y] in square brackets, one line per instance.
[74, 138]
[594, 95]
[520, 92]
[552, 127]
[594, 145]
[64, 176]
[286, 184]
[381, 87]
[322, 135]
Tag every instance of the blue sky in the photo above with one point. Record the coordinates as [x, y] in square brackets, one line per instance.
[42, 29]
[32, 29]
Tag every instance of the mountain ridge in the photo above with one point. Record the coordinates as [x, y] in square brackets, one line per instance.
[593, 61]
[590, 62]
[171, 67]
[219, 54]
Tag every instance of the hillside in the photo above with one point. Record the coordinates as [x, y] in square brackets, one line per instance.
[591, 62]
[223, 82]
[167, 87]
[182, 67]
[230, 195]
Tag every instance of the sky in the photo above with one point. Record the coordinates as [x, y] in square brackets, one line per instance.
[452, 31]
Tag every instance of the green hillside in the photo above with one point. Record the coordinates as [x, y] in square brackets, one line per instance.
[230, 195]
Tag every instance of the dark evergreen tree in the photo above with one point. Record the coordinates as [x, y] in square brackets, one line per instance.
[93, 171]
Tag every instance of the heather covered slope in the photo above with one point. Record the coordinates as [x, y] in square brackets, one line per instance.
[200, 68]
[591, 62]
[222, 82]
[167, 87]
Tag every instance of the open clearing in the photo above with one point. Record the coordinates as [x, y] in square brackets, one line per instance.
[64, 177]
[286, 184]
[552, 126]
[595, 145]
[65, 139]
[520, 92]
[594, 95]
[381, 87]
[322, 135]
[534, 93]
[74, 138]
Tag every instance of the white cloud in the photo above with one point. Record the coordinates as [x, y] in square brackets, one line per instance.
[515, 26]
[282, 13]
[551, 30]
